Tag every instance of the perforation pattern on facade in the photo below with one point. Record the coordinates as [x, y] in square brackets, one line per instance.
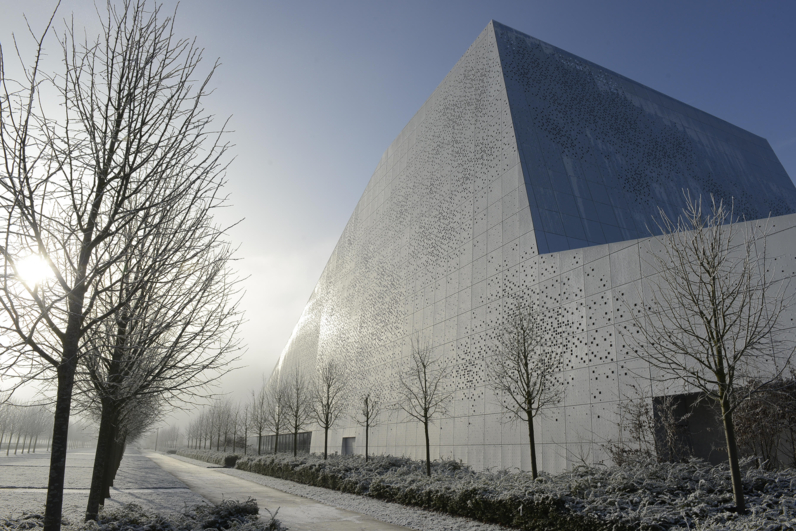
[522, 150]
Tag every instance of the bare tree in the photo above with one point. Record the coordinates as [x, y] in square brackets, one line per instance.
[6, 419]
[27, 421]
[11, 422]
[202, 430]
[258, 420]
[368, 415]
[276, 411]
[35, 419]
[131, 147]
[169, 342]
[712, 311]
[245, 425]
[421, 389]
[328, 400]
[176, 329]
[766, 422]
[226, 423]
[171, 436]
[221, 412]
[526, 366]
[234, 423]
[298, 403]
[192, 432]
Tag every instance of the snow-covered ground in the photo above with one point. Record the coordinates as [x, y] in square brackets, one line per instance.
[23, 485]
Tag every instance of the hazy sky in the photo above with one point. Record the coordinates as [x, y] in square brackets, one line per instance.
[316, 92]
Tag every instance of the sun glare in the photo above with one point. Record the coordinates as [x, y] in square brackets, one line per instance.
[33, 269]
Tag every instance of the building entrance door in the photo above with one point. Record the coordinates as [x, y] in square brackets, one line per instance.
[348, 445]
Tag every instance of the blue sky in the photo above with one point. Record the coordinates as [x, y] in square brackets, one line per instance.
[318, 90]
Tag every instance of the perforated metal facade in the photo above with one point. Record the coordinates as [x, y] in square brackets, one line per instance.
[527, 169]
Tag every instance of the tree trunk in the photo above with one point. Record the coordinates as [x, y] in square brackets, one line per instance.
[325, 442]
[259, 442]
[532, 441]
[122, 446]
[10, 436]
[16, 446]
[732, 454]
[35, 443]
[60, 439]
[101, 460]
[367, 426]
[106, 477]
[428, 450]
[793, 445]
[276, 441]
[295, 443]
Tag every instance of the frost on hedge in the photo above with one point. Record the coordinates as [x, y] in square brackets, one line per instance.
[640, 495]
[209, 456]
[227, 515]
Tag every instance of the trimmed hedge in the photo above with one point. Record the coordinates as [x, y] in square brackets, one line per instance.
[528, 511]
[208, 456]
[643, 494]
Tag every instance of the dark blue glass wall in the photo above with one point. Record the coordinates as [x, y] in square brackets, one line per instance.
[600, 153]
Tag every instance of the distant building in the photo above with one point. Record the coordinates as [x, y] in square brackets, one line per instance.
[528, 168]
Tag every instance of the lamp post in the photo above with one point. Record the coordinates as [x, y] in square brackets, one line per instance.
[157, 434]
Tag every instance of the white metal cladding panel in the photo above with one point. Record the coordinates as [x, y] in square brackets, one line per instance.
[606, 370]
[445, 230]
[425, 251]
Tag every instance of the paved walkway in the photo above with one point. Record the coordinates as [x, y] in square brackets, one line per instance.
[297, 513]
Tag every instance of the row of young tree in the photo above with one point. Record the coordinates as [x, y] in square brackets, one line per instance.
[525, 370]
[111, 171]
[27, 422]
[710, 319]
[281, 408]
[114, 198]
[225, 424]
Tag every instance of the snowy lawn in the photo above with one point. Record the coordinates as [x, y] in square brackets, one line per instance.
[646, 495]
[241, 516]
[23, 485]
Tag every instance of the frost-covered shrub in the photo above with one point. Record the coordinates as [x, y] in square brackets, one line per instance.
[452, 488]
[229, 514]
[209, 456]
[641, 495]
[224, 515]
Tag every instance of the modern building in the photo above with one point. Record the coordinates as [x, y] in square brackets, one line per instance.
[527, 169]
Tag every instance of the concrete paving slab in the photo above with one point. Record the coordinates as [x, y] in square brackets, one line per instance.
[297, 513]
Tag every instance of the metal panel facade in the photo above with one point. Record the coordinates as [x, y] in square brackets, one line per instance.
[527, 169]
